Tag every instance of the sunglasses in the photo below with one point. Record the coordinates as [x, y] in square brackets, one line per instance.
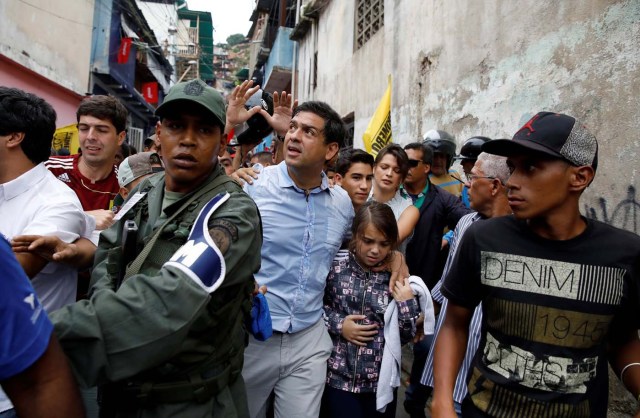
[414, 163]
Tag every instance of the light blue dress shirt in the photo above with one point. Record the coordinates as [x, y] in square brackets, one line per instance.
[301, 235]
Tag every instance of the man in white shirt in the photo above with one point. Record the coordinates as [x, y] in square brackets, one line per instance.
[33, 201]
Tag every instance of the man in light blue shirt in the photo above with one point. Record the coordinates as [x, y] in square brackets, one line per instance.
[303, 229]
[304, 223]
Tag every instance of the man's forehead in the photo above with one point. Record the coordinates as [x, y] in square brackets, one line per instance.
[414, 152]
[309, 119]
[360, 168]
[94, 121]
[477, 168]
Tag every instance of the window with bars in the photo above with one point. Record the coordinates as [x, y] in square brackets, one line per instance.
[349, 122]
[369, 19]
[135, 137]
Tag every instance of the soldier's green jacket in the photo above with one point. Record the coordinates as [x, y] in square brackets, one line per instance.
[160, 325]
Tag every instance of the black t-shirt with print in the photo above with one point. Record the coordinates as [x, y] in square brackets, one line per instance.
[549, 307]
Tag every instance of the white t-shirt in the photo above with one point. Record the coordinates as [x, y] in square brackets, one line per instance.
[36, 203]
[398, 204]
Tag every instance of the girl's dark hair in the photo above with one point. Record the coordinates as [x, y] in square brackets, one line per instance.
[401, 158]
[381, 217]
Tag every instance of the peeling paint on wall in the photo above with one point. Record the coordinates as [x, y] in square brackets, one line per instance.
[485, 68]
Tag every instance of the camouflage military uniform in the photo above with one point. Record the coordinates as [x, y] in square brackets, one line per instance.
[168, 347]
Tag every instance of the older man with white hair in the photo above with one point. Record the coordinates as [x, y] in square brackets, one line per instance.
[488, 196]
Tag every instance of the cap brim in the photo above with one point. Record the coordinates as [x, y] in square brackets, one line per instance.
[162, 110]
[510, 147]
[462, 158]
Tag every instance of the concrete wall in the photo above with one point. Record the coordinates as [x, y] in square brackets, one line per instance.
[485, 67]
[160, 16]
[52, 39]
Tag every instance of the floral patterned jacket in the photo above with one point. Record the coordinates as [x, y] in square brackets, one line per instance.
[352, 290]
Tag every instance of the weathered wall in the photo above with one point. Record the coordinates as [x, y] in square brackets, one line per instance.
[52, 39]
[485, 67]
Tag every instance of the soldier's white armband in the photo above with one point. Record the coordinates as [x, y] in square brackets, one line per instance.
[200, 258]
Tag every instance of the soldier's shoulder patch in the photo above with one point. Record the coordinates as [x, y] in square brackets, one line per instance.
[224, 233]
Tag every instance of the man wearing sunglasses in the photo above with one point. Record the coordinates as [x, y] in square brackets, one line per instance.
[438, 209]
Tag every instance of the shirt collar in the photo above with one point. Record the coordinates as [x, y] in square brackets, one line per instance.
[24, 182]
[285, 180]
[424, 191]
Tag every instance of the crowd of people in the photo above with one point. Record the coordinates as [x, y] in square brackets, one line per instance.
[199, 279]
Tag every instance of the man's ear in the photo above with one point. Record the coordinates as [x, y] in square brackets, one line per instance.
[332, 150]
[427, 168]
[121, 137]
[496, 187]
[124, 192]
[223, 143]
[580, 178]
[15, 139]
[337, 179]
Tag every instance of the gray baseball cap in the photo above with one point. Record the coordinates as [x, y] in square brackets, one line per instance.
[195, 91]
[135, 166]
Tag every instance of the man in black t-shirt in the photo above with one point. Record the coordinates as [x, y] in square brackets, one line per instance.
[559, 292]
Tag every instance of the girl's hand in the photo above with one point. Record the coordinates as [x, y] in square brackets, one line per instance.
[356, 333]
[402, 290]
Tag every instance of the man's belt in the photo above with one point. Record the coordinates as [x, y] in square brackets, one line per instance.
[195, 388]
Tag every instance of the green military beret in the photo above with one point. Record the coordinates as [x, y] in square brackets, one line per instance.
[195, 91]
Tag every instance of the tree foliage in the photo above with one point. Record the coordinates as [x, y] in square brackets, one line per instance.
[235, 39]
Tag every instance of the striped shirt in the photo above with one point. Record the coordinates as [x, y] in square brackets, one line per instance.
[460, 390]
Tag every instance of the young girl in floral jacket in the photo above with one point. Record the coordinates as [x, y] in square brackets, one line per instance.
[356, 299]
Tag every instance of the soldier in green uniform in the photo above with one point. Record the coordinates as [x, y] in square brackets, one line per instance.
[163, 333]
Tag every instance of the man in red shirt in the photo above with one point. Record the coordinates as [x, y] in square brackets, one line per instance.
[92, 173]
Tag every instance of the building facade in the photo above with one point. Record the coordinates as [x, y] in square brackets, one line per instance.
[484, 69]
[45, 49]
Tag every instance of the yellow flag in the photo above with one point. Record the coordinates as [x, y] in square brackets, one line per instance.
[378, 133]
[66, 137]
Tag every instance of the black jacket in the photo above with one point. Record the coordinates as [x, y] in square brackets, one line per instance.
[440, 209]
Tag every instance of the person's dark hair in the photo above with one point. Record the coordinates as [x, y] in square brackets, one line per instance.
[105, 108]
[427, 152]
[350, 156]
[25, 112]
[264, 157]
[127, 150]
[381, 217]
[334, 129]
[148, 143]
[401, 158]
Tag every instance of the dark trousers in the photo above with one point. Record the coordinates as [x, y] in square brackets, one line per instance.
[338, 403]
[417, 394]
